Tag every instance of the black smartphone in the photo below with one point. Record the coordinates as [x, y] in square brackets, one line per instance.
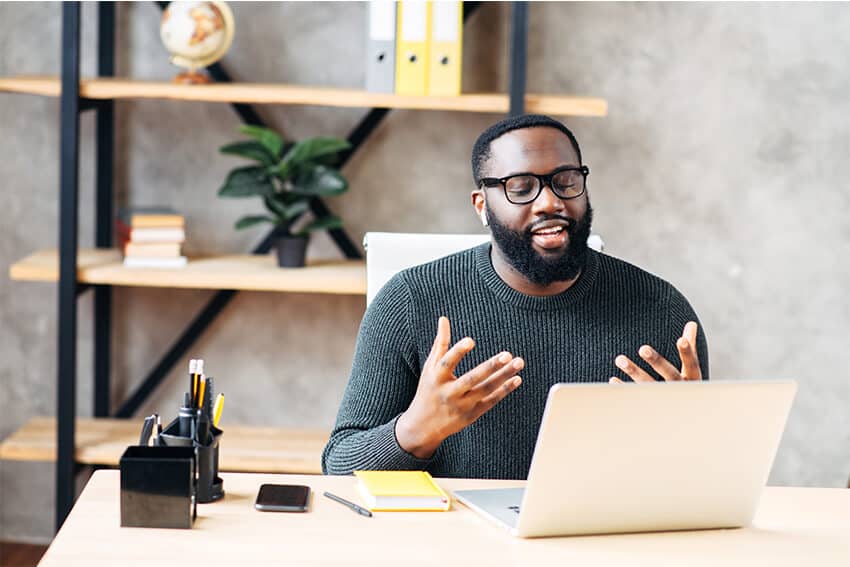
[283, 498]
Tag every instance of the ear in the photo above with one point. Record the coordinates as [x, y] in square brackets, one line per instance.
[479, 204]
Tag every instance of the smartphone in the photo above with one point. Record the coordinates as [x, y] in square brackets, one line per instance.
[283, 498]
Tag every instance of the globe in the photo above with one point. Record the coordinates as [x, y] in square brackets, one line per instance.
[196, 34]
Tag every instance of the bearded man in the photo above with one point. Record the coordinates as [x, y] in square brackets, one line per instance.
[535, 306]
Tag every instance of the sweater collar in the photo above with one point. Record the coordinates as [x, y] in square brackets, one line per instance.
[509, 295]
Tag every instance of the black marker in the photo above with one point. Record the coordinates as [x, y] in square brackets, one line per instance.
[359, 509]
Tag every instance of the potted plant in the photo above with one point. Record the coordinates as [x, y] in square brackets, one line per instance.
[286, 177]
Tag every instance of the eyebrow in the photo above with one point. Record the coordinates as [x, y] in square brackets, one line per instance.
[531, 173]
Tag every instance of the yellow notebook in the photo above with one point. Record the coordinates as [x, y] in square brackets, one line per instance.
[401, 491]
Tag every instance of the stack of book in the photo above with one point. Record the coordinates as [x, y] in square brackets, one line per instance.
[151, 237]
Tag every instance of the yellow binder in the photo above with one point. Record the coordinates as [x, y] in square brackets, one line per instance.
[446, 49]
[411, 75]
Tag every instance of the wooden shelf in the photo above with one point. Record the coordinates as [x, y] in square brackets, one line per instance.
[243, 449]
[269, 93]
[244, 272]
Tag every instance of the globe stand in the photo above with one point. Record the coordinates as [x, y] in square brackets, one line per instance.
[192, 78]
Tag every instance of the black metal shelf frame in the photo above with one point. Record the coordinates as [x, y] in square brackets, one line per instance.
[71, 105]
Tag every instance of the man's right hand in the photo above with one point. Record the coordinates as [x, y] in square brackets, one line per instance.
[444, 403]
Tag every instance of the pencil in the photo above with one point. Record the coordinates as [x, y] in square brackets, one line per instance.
[217, 408]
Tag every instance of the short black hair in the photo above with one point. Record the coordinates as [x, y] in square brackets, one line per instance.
[481, 149]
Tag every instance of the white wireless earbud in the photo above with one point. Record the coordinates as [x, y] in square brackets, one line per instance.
[483, 216]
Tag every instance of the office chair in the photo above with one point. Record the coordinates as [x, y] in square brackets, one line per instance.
[391, 252]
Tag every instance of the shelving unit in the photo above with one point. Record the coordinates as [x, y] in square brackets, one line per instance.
[267, 93]
[72, 441]
[243, 272]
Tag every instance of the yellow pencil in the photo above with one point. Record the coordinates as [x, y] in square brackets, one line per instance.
[201, 389]
[219, 405]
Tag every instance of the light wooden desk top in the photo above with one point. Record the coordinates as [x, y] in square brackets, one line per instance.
[794, 526]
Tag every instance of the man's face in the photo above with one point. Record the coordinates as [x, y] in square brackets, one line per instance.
[545, 240]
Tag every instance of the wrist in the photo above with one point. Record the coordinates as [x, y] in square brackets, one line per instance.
[415, 439]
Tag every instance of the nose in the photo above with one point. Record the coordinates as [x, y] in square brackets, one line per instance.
[547, 202]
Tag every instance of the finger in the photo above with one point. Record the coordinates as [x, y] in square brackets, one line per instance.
[487, 403]
[448, 362]
[690, 360]
[634, 371]
[484, 370]
[441, 341]
[615, 380]
[690, 333]
[496, 379]
[659, 364]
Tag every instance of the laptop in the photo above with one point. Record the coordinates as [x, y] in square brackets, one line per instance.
[644, 457]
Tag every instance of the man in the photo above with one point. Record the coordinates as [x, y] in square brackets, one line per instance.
[534, 307]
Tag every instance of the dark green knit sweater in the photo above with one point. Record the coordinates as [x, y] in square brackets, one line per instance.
[613, 308]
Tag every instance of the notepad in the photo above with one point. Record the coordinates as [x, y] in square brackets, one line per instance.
[401, 491]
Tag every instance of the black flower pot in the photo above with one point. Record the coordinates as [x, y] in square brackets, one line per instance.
[291, 250]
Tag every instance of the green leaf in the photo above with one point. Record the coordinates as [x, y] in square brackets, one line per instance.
[247, 182]
[287, 210]
[312, 149]
[250, 149]
[325, 223]
[252, 220]
[320, 181]
[266, 136]
[283, 170]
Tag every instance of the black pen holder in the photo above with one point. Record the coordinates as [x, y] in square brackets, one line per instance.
[158, 487]
[210, 487]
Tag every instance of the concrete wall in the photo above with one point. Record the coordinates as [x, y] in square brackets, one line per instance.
[721, 167]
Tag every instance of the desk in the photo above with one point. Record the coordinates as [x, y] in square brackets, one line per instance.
[794, 526]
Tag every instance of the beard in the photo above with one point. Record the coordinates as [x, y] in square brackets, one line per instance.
[518, 250]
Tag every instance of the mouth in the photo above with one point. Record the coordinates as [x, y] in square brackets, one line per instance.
[550, 234]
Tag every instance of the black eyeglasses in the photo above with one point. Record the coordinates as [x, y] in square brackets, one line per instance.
[566, 182]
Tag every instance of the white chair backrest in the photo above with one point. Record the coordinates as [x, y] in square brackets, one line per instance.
[391, 252]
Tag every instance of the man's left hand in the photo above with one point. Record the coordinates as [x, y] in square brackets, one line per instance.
[687, 346]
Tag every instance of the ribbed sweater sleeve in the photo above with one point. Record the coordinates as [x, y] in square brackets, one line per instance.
[383, 380]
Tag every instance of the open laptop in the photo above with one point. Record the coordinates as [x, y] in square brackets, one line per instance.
[644, 457]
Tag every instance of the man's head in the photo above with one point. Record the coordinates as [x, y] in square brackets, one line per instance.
[531, 191]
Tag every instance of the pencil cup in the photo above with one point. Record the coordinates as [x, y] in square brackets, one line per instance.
[158, 487]
[210, 487]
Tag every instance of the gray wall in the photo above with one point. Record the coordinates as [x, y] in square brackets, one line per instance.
[721, 167]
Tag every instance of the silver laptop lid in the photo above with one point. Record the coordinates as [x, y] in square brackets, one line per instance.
[646, 457]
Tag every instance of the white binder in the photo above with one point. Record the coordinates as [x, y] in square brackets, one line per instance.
[380, 52]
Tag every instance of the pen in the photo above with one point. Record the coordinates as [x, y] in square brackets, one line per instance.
[156, 440]
[359, 509]
[147, 430]
[202, 433]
